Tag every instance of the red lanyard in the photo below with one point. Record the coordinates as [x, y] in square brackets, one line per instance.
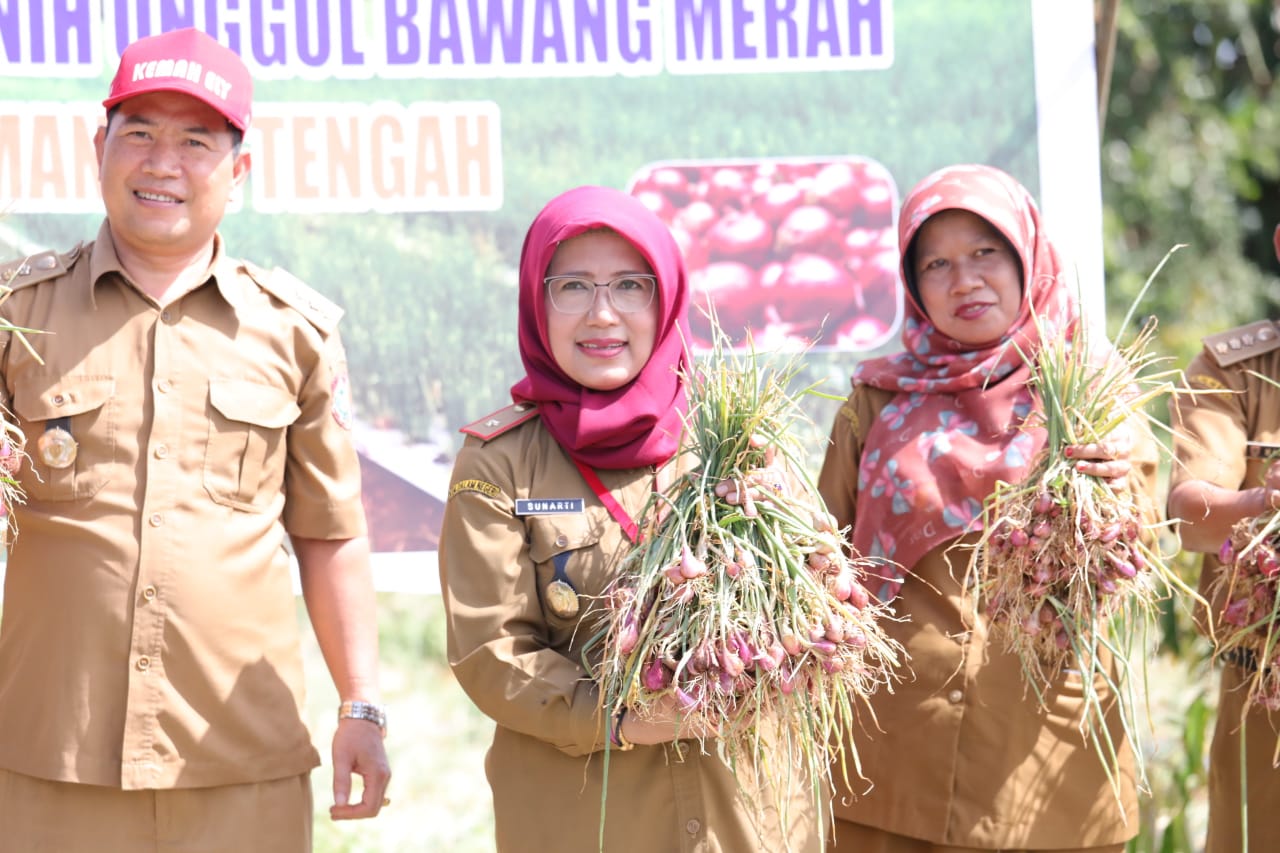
[606, 497]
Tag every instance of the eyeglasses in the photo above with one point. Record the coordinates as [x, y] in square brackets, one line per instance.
[571, 294]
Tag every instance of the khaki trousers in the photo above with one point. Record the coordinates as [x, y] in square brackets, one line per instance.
[39, 816]
[1225, 797]
[856, 838]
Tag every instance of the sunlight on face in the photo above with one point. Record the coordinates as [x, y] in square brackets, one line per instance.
[968, 276]
[601, 348]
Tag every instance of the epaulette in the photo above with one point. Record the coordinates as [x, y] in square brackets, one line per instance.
[37, 268]
[1235, 345]
[319, 310]
[491, 426]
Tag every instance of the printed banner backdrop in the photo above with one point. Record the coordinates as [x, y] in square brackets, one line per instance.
[400, 149]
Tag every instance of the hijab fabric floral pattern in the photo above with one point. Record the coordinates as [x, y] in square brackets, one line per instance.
[961, 418]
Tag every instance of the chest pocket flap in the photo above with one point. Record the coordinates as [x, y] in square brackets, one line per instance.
[70, 397]
[245, 461]
[251, 403]
[576, 536]
[86, 404]
[553, 534]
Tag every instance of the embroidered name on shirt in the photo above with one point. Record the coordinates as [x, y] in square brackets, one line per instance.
[548, 506]
[487, 489]
[1200, 380]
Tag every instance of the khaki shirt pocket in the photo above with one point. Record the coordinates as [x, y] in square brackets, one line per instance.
[85, 407]
[572, 540]
[245, 458]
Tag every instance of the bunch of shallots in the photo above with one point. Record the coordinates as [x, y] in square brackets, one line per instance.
[750, 614]
[1247, 627]
[1068, 569]
[1062, 557]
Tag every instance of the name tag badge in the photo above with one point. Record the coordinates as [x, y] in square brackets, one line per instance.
[548, 506]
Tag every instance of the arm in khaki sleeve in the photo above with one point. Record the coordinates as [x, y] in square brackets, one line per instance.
[322, 474]
[325, 518]
[338, 590]
[1208, 494]
[498, 641]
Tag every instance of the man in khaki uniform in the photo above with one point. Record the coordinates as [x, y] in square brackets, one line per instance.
[184, 412]
[1223, 474]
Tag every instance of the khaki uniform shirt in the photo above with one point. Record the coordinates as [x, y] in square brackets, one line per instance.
[960, 753]
[521, 664]
[149, 636]
[1210, 445]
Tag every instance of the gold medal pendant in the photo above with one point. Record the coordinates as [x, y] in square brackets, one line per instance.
[562, 599]
[56, 447]
[559, 594]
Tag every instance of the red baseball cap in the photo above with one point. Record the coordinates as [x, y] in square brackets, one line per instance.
[190, 62]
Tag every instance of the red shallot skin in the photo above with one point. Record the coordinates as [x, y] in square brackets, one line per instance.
[628, 636]
[690, 565]
[685, 594]
[858, 596]
[656, 676]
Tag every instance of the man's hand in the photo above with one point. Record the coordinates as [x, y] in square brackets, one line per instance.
[358, 749]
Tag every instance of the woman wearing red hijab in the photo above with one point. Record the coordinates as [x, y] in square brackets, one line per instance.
[961, 756]
[544, 502]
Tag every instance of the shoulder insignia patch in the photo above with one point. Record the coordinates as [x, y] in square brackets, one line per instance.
[1236, 345]
[340, 393]
[494, 425]
[37, 268]
[319, 310]
[847, 412]
[482, 486]
[1205, 381]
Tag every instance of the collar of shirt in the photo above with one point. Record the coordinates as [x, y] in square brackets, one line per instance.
[103, 261]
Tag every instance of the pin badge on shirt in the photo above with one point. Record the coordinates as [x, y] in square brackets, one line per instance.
[56, 446]
[560, 595]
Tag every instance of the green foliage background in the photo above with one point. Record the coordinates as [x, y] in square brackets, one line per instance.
[1190, 155]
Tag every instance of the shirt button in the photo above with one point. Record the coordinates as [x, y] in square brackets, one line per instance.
[692, 827]
[162, 451]
[143, 664]
[58, 399]
[163, 386]
[562, 541]
[166, 316]
[955, 697]
[156, 519]
[149, 593]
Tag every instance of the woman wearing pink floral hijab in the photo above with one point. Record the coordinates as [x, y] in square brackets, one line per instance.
[961, 756]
